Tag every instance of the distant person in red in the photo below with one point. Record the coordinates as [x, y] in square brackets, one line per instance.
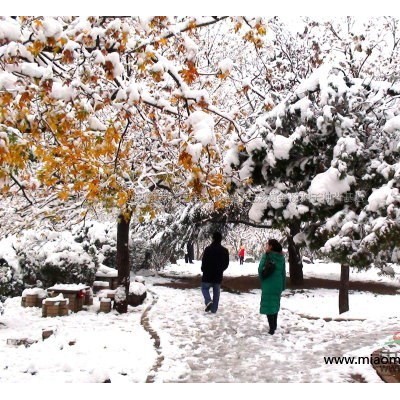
[241, 255]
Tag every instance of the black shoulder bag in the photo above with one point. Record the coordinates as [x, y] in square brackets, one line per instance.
[268, 269]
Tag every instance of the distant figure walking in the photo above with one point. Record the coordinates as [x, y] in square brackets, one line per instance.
[273, 285]
[241, 255]
[213, 264]
[190, 251]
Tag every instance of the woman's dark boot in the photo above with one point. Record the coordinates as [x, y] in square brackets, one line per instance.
[275, 321]
[271, 322]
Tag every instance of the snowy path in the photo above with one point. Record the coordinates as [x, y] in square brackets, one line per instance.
[234, 346]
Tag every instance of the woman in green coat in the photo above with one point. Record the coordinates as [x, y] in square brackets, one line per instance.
[272, 286]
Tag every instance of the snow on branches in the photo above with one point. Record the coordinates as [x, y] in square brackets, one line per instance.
[100, 110]
[331, 145]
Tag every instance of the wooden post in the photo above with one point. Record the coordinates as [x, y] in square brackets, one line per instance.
[344, 288]
[31, 300]
[105, 305]
[52, 309]
[63, 308]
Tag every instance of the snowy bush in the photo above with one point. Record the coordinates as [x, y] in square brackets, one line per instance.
[10, 283]
[62, 269]
[119, 295]
[53, 257]
[50, 257]
[100, 241]
[137, 288]
[137, 293]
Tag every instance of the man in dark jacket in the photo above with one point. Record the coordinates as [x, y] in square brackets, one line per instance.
[214, 262]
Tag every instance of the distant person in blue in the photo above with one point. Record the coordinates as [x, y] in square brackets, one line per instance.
[272, 286]
[213, 264]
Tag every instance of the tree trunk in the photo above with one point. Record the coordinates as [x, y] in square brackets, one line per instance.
[123, 264]
[197, 250]
[295, 262]
[344, 288]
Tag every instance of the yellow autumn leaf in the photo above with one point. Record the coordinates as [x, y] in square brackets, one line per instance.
[36, 47]
[261, 29]
[38, 23]
[63, 195]
[185, 159]
[122, 198]
[189, 74]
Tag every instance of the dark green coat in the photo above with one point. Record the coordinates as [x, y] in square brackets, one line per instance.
[272, 287]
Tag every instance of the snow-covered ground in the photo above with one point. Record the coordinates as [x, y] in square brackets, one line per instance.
[86, 347]
[230, 346]
[234, 346]
[318, 270]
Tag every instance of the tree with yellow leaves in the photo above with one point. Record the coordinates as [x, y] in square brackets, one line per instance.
[100, 112]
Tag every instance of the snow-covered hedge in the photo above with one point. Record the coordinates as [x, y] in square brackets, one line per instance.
[55, 257]
[51, 257]
[137, 292]
[100, 241]
[10, 283]
[74, 256]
